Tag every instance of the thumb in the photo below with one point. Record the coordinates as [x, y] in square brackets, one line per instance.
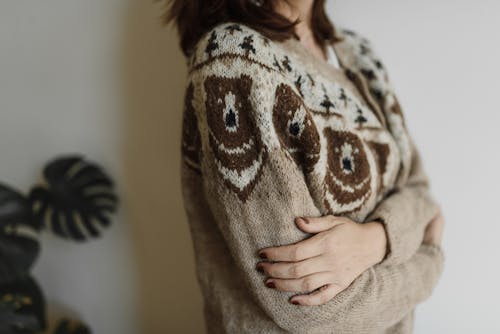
[318, 224]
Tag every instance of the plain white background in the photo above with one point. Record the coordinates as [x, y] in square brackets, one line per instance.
[61, 92]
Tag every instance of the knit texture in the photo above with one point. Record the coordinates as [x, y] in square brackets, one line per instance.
[271, 133]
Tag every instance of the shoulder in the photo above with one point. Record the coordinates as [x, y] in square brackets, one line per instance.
[229, 41]
[233, 62]
[355, 39]
[362, 54]
[359, 46]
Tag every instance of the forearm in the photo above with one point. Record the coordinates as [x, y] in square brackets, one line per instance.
[405, 214]
[383, 295]
[377, 299]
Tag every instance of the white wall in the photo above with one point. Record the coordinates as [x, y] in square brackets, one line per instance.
[101, 78]
[105, 79]
[443, 57]
[59, 93]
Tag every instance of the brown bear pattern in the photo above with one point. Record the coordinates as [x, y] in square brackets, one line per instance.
[381, 152]
[348, 155]
[295, 128]
[348, 175]
[233, 137]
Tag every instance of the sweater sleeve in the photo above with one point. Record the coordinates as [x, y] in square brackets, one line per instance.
[255, 189]
[405, 213]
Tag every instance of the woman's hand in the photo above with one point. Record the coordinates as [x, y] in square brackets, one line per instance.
[329, 261]
[434, 230]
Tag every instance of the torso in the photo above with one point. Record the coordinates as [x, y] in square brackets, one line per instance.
[351, 151]
[348, 149]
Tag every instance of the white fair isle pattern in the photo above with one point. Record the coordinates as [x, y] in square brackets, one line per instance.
[367, 62]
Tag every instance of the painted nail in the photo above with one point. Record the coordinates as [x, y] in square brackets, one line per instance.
[260, 268]
[263, 255]
[294, 302]
[271, 285]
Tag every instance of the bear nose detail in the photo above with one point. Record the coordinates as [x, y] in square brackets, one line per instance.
[347, 164]
[231, 119]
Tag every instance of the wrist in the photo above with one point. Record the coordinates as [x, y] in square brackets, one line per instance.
[378, 240]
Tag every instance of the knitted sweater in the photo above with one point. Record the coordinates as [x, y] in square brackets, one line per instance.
[271, 133]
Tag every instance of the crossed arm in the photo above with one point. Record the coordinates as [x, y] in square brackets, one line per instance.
[381, 295]
[340, 249]
[340, 257]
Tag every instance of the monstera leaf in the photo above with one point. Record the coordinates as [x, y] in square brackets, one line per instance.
[66, 327]
[22, 307]
[77, 199]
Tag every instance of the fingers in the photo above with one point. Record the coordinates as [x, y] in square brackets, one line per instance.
[304, 284]
[289, 270]
[319, 297]
[295, 252]
[318, 224]
[307, 248]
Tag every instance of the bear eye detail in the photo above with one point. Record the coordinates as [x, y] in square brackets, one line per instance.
[294, 129]
[296, 123]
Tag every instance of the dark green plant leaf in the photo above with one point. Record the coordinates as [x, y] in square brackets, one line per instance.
[14, 207]
[22, 307]
[66, 327]
[77, 200]
[17, 255]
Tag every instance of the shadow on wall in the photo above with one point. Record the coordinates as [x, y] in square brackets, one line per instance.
[153, 80]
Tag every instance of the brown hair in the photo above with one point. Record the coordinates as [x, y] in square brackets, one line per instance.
[194, 18]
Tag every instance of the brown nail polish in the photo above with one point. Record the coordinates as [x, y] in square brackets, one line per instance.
[260, 269]
[263, 255]
[271, 285]
[294, 302]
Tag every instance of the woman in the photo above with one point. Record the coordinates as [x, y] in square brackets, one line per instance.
[308, 205]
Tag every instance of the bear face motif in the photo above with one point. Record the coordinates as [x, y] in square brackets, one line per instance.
[348, 177]
[295, 128]
[233, 136]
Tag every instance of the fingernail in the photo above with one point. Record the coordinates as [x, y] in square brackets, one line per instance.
[263, 255]
[260, 268]
[271, 285]
[294, 302]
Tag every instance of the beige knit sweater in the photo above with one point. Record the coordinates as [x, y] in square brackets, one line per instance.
[271, 133]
